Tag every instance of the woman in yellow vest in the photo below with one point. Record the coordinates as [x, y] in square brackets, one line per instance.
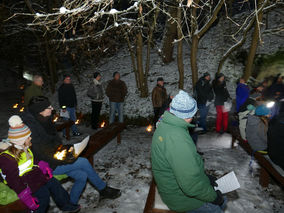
[31, 180]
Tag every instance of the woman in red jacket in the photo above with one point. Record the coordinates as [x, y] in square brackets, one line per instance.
[31, 180]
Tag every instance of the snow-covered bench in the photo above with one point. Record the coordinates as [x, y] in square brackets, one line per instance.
[268, 168]
[154, 203]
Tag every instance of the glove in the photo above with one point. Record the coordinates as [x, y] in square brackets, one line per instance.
[46, 170]
[212, 180]
[26, 197]
[219, 199]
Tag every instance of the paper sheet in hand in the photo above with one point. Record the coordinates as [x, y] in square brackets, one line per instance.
[79, 147]
[228, 183]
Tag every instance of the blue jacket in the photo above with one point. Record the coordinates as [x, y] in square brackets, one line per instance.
[242, 94]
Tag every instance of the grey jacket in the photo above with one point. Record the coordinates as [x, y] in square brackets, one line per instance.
[96, 92]
[256, 133]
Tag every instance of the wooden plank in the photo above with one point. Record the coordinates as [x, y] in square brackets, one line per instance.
[15, 207]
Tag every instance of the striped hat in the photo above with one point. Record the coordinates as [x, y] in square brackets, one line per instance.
[18, 131]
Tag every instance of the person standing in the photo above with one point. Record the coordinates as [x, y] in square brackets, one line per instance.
[221, 96]
[68, 100]
[177, 167]
[204, 94]
[35, 89]
[242, 93]
[159, 98]
[96, 93]
[116, 91]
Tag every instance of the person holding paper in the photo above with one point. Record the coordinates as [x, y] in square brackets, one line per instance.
[177, 167]
[45, 144]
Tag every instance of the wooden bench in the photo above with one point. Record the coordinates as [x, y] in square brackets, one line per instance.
[154, 203]
[96, 142]
[268, 168]
[101, 138]
[64, 125]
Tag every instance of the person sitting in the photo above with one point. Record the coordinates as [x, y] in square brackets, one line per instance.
[45, 144]
[275, 138]
[31, 180]
[177, 167]
[256, 130]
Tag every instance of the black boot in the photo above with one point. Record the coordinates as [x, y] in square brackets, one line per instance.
[109, 193]
[71, 208]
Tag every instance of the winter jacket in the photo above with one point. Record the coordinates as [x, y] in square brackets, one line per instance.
[177, 168]
[243, 118]
[33, 179]
[96, 92]
[45, 141]
[256, 133]
[275, 140]
[67, 95]
[116, 91]
[221, 93]
[204, 91]
[242, 94]
[159, 96]
[32, 91]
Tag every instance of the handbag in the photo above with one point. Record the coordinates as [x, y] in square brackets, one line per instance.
[227, 106]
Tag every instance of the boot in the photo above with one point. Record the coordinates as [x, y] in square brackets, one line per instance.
[70, 208]
[109, 193]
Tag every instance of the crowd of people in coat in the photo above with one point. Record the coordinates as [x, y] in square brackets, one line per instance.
[28, 166]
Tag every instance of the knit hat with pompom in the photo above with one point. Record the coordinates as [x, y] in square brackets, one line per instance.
[18, 131]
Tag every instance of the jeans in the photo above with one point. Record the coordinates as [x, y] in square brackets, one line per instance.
[72, 114]
[80, 171]
[210, 208]
[58, 193]
[156, 115]
[116, 107]
[203, 112]
[96, 109]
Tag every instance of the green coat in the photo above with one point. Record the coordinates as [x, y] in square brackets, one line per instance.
[32, 91]
[178, 169]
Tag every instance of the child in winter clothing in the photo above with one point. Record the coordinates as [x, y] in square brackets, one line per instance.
[221, 96]
[31, 180]
[256, 130]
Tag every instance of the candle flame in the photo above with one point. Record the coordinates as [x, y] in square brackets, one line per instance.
[22, 87]
[60, 155]
[149, 128]
[103, 124]
[22, 109]
[77, 121]
[15, 106]
[55, 119]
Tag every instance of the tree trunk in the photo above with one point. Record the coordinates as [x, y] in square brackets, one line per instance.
[193, 59]
[254, 43]
[169, 36]
[139, 58]
[180, 51]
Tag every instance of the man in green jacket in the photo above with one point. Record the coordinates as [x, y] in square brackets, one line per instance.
[35, 89]
[178, 169]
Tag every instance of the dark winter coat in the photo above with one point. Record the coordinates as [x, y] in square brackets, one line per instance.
[204, 91]
[275, 140]
[242, 94]
[32, 91]
[221, 93]
[67, 95]
[256, 133]
[45, 140]
[96, 92]
[33, 179]
[159, 96]
[116, 91]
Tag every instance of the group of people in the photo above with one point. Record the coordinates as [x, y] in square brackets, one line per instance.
[260, 114]
[28, 165]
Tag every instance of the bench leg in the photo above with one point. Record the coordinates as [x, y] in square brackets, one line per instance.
[264, 177]
[67, 133]
[118, 138]
[91, 160]
[233, 142]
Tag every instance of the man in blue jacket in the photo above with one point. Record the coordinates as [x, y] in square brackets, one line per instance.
[242, 93]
